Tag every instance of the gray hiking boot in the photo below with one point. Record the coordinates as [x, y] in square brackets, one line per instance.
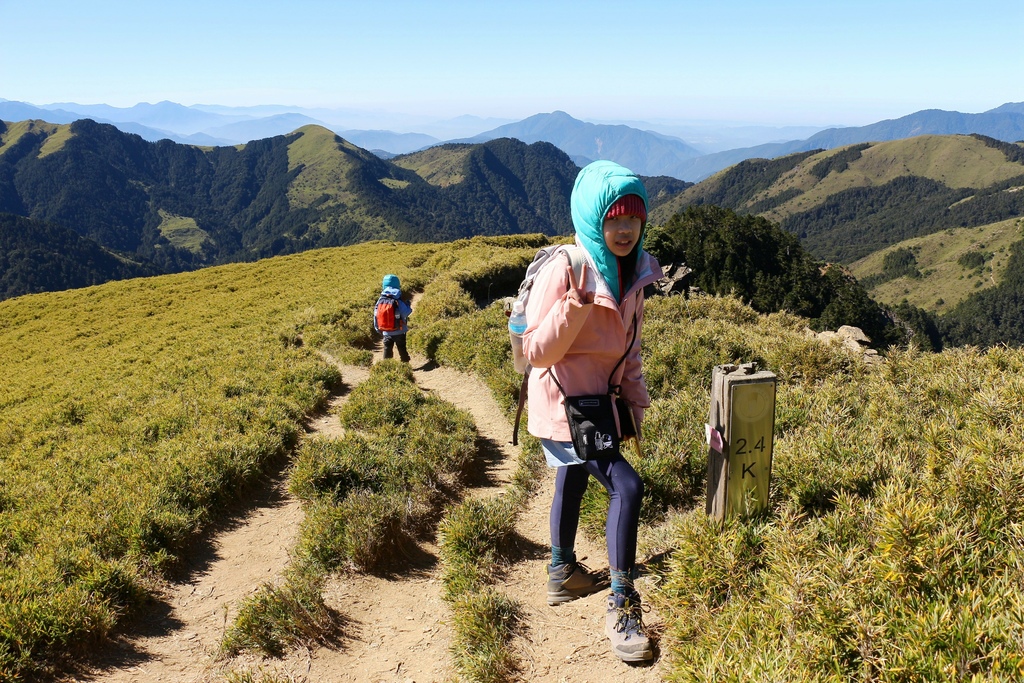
[624, 626]
[572, 580]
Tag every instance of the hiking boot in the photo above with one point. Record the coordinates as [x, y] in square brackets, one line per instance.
[624, 626]
[571, 580]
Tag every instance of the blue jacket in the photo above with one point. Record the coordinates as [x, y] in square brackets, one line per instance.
[404, 311]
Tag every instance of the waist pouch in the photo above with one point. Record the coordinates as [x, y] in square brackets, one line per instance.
[591, 417]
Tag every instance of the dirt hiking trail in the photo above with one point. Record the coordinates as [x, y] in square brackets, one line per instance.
[395, 626]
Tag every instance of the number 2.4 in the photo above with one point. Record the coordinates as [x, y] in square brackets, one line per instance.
[741, 446]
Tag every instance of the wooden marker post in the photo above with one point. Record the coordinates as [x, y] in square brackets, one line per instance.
[740, 431]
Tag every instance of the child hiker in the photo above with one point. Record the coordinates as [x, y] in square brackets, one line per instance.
[583, 338]
[391, 317]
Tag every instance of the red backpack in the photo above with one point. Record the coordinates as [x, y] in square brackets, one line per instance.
[386, 318]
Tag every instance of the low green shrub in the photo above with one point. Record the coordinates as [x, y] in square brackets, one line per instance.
[278, 618]
[483, 625]
[388, 399]
[364, 531]
[370, 492]
[473, 534]
[258, 675]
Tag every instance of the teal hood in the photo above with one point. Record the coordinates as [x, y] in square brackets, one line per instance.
[597, 187]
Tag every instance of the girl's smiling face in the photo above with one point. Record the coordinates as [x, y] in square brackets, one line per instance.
[621, 233]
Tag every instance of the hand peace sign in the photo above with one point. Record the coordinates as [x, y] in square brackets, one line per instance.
[577, 290]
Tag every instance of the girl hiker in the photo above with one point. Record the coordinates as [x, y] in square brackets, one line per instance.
[583, 338]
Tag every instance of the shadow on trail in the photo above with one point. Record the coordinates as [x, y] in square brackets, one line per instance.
[412, 561]
[518, 548]
[124, 650]
[489, 459]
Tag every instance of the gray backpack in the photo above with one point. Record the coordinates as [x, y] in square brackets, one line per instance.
[540, 259]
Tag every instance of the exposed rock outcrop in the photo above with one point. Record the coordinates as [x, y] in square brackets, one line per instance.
[852, 338]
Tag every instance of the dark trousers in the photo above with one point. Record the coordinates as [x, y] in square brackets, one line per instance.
[626, 490]
[390, 342]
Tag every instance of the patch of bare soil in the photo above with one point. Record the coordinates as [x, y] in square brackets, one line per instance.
[395, 626]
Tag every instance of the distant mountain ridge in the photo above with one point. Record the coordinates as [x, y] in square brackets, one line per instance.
[645, 151]
[174, 207]
[1005, 123]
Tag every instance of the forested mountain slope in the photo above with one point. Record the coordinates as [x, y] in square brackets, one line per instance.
[846, 203]
[40, 257]
[176, 207]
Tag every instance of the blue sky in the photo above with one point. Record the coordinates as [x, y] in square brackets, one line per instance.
[785, 62]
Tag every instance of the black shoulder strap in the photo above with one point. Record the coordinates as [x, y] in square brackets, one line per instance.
[617, 388]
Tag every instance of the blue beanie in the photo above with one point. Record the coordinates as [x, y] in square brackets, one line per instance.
[391, 281]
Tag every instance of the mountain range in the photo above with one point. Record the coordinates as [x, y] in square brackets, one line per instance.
[86, 202]
[638, 146]
[168, 207]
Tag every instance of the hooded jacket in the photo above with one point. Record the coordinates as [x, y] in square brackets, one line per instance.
[581, 343]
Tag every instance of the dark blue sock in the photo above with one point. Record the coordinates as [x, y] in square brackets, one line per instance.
[621, 582]
[562, 555]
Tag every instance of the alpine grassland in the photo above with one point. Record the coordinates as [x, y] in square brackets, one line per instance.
[892, 547]
[135, 413]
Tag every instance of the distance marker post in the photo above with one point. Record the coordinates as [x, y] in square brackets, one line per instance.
[740, 429]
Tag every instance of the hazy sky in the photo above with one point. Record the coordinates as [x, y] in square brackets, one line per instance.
[814, 62]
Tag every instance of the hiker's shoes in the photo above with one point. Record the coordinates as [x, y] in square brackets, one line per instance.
[624, 626]
[571, 580]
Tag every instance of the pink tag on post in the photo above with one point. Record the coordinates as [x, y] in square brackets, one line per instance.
[714, 438]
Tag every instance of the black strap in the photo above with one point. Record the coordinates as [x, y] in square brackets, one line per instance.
[615, 389]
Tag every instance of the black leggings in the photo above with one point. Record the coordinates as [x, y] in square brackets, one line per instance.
[626, 490]
[391, 342]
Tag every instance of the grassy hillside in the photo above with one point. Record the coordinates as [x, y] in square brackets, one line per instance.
[948, 266]
[55, 134]
[848, 202]
[957, 161]
[322, 164]
[442, 165]
[132, 412]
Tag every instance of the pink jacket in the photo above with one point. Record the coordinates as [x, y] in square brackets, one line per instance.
[582, 343]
